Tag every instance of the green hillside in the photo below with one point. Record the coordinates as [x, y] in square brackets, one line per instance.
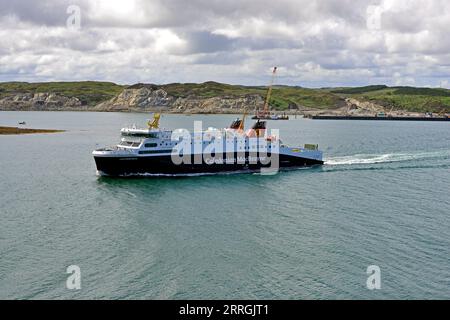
[401, 98]
[89, 92]
[283, 97]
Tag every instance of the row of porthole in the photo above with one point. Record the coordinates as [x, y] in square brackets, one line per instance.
[247, 148]
[153, 145]
[210, 143]
[213, 154]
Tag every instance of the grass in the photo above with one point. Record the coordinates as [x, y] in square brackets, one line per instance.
[359, 89]
[435, 100]
[282, 96]
[88, 92]
[15, 130]
[91, 93]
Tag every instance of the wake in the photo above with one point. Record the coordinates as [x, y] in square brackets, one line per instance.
[361, 159]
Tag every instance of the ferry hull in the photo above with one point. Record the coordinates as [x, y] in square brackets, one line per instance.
[163, 165]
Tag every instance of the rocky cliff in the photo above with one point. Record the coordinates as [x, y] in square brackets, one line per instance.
[147, 98]
[136, 98]
[151, 98]
[40, 101]
[213, 97]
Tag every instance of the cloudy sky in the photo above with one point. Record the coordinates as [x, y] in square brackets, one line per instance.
[315, 43]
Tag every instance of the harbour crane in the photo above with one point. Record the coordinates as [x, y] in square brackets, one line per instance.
[265, 113]
[269, 93]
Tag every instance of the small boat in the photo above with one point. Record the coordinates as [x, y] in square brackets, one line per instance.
[269, 116]
[22, 123]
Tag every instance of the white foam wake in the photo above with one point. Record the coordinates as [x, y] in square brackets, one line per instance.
[384, 158]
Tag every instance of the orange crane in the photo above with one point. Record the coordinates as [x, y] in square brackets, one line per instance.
[242, 124]
[265, 113]
[269, 93]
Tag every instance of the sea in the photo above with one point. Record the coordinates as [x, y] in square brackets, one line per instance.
[377, 212]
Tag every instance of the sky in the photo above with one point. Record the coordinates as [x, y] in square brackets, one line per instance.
[314, 43]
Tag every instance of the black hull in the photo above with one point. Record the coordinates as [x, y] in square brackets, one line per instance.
[163, 165]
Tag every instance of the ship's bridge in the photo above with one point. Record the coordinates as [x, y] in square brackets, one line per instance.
[142, 133]
[133, 137]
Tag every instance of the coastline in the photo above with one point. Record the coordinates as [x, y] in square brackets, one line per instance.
[17, 131]
[218, 98]
[306, 113]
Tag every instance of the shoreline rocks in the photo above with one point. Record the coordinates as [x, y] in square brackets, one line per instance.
[153, 98]
[39, 101]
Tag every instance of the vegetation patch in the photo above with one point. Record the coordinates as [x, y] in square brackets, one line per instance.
[15, 130]
[411, 99]
[88, 92]
[91, 93]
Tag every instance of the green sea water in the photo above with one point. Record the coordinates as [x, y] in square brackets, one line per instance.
[381, 199]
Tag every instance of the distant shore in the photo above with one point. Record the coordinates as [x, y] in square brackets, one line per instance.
[219, 98]
[306, 113]
[16, 130]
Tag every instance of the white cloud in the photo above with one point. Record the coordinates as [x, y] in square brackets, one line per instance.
[315, 43]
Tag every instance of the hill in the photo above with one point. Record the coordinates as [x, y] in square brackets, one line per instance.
[283, 97]
[400, 98]
[213, 97]
[89, 93]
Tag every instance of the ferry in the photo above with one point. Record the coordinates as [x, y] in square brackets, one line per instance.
[154, 151]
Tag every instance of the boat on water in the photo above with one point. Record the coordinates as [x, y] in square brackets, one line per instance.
[269, 116]
[154, 151]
